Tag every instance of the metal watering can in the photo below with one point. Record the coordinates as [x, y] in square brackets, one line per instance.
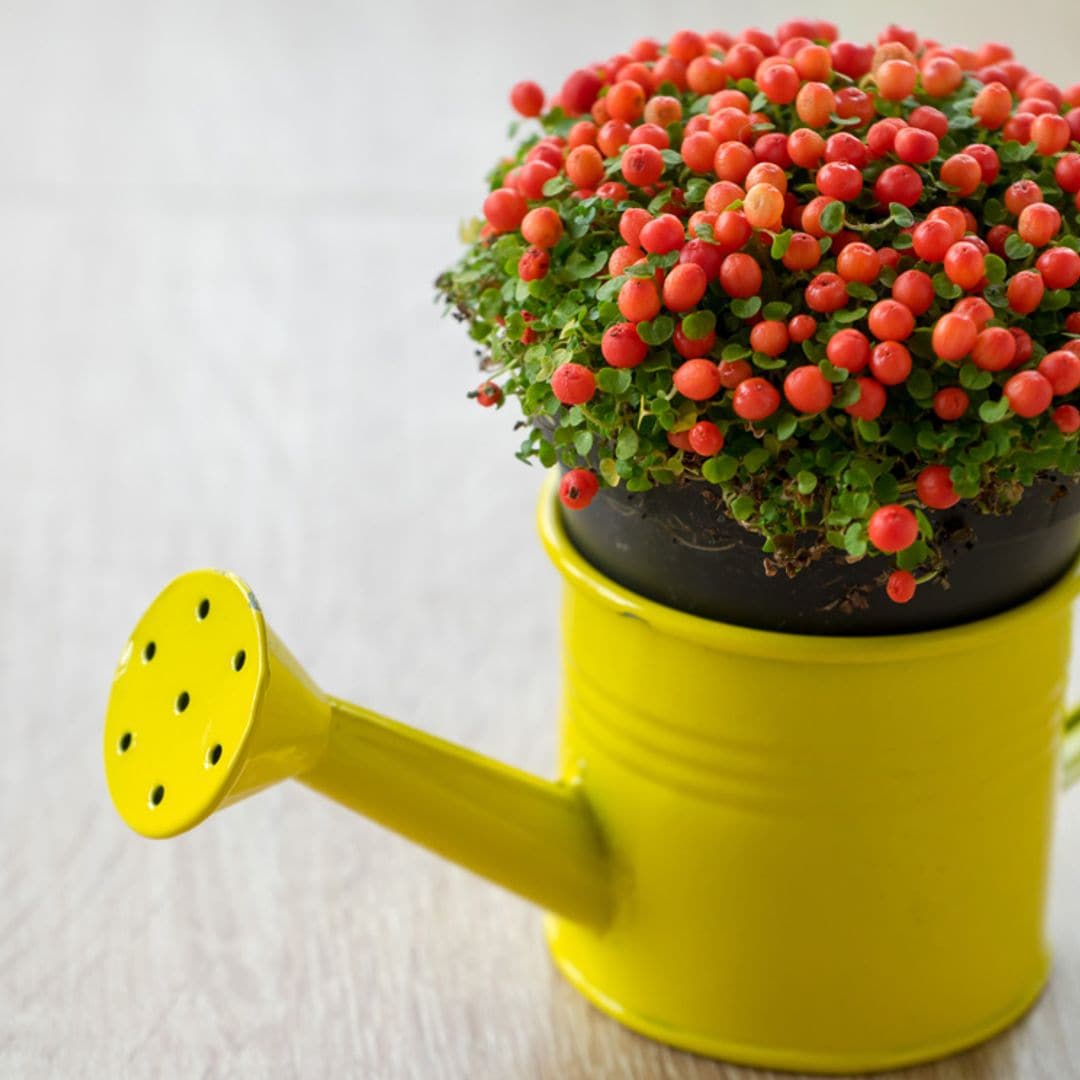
[797, 852]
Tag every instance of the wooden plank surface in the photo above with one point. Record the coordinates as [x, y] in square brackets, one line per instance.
[218, 229]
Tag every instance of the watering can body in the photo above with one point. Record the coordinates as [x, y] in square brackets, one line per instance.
[805, 853]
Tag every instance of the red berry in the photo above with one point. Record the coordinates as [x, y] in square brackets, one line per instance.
[801, 328]
[915, 146]
[533, 264]
[950, 403]
[631, 222]
[770, 336]
[915, 290]
[807, 389]
[1067, 418]
[871, 403]
[621, 347]
[931, 240]
[642, 165]
[889, 320]
[1062, 370]
[964, 265]
[585, 166]
[755, 399]
[994, 349]
[573, 384]
[849, 349]
[826, 293]
[1039, 223]
[1025, 291]
[684, 287]
[900, 587]
[639, 299]
[890, 363]
[858, 262]
[706, 438]
[1029, 393]
[740, 276]
[899, 184]
[578, 489]
[488, 394]
[697, 379]
[953, 337]
[839, 180]
[505, 209]
[662, 234]
[734, 372]
[527, 98]
[688, 348]
[542, 227]
[1060, 267]
[892, 528]
[579, 91]
[934, 487]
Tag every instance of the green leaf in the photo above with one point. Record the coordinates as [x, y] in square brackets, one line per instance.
[719, 469]
[769, 363]
[946, 289]
[614, 380]
[1055, 300]
[734, 351]
[579, 266]
[671, 157]
[742, 507]
[583, 442]
[991, 412]
[848, 394]
[786, 425]
[806, 482]
[699, 325]
[852, 316]
[695, 190]
[1017, 248]
[639, 270]
[973, 378]
[910, 557]
[855, 541]
[609, 471]
[755, 459]
[657, 331]
[996, 269]
[920, 385]
[868, 429]
[776, 310]
[861, 291]
[556, 186]
[994, 212]
[901, 215]
[886, 488]
[746, 309]
[832, 217]
[626, 446]
[781, 242]
[1012, 151]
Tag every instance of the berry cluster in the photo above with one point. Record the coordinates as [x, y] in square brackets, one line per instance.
[838, 282]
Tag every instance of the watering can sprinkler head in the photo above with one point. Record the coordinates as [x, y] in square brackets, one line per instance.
[208, 707]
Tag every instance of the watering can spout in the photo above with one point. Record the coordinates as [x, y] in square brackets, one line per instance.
[208, 707]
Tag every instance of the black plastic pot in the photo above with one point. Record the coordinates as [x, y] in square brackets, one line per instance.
[676, 545]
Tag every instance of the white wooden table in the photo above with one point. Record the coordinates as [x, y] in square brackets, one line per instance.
[218, 229]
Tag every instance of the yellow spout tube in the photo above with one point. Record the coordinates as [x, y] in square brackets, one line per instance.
[208, 706]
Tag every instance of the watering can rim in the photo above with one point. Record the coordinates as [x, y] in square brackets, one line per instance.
[783, 645]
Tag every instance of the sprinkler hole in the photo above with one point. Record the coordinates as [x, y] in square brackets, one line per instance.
[156, 795]
[238, 660]
[213, 755]
[148, 652]
[123, 745]
[183, 701]
[203, 609]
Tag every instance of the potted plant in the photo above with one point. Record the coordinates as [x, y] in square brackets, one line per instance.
[799, 320]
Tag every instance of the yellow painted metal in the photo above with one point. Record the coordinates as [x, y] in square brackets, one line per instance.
[837, 848]
[191, 728]
[807, 853]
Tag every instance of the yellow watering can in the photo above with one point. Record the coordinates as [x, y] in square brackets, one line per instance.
[808, 853]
